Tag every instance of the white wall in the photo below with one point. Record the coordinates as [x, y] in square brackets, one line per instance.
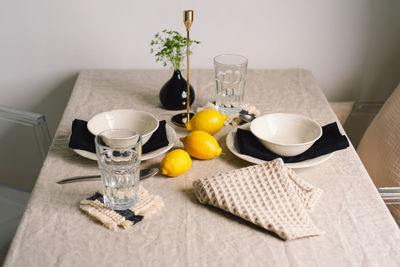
[44, 43]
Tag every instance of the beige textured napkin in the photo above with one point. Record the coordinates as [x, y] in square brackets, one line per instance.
[147, 205]
[269, 195]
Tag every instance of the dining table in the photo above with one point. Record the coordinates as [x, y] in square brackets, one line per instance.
[358, 228]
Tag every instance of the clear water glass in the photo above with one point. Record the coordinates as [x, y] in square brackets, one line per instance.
[230, 76]
[119, 154]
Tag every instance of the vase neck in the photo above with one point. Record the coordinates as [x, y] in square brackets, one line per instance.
[177, 74]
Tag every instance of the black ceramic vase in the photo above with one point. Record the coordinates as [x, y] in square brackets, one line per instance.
[173, 93]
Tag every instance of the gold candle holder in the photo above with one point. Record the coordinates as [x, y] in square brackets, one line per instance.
[181, 119]
[188, 20]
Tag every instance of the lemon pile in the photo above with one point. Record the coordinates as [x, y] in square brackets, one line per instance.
[199, 144]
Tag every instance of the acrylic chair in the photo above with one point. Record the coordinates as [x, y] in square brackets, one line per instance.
[14, 191]
[379, 150]
[34, 120]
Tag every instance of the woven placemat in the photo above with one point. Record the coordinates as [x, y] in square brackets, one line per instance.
[146, 206]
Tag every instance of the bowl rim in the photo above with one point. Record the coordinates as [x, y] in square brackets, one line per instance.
[287, 144]
[139, 142]
[90, 121]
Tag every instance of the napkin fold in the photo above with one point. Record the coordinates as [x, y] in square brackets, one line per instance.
[157, 140]
[146, 206]
[82, 138]
[330, 141]
[269, 195]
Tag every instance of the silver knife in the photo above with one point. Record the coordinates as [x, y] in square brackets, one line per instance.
[146, 173]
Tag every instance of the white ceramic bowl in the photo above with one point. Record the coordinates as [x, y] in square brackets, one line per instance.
[140, 121]
[286, 134]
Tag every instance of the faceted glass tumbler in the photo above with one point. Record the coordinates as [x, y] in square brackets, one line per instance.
[119, 154]
[230, 77]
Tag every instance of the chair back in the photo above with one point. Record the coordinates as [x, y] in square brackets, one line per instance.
[24, 141]
[379, 148]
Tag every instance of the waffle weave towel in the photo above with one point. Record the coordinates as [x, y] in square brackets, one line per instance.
[269, 195]
[147, 205]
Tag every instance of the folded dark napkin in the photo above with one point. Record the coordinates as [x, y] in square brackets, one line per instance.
[157, 140]
[82, 139]
[330, 141]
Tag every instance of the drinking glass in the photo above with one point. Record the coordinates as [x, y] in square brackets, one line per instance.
[119, 153]
[230, 76]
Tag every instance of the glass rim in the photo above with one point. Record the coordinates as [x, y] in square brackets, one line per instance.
[139, 141]
[245, 60]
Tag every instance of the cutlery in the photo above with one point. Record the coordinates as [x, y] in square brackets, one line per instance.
[146, 173]
[246, 116]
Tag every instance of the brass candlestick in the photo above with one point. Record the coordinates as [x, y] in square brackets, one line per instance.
[188, 20]
[181, 119]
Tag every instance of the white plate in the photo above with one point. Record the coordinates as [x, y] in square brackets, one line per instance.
[233, 146]
[171, 136]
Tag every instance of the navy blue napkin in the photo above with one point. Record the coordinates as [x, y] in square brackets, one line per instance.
[82, 139]
[157, 140]
[330, 141]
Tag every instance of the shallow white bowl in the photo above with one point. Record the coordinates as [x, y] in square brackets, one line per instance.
[140, 121]
[286, 134]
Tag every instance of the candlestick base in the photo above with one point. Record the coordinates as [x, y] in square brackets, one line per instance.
[181, 118]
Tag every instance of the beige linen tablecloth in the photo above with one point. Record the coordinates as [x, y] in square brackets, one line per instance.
[359, 230]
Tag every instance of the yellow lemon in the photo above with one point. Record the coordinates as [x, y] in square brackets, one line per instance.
[208, 120]
[175, 163]
[201, 145]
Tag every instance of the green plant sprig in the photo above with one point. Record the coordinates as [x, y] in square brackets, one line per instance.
[170, 47]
